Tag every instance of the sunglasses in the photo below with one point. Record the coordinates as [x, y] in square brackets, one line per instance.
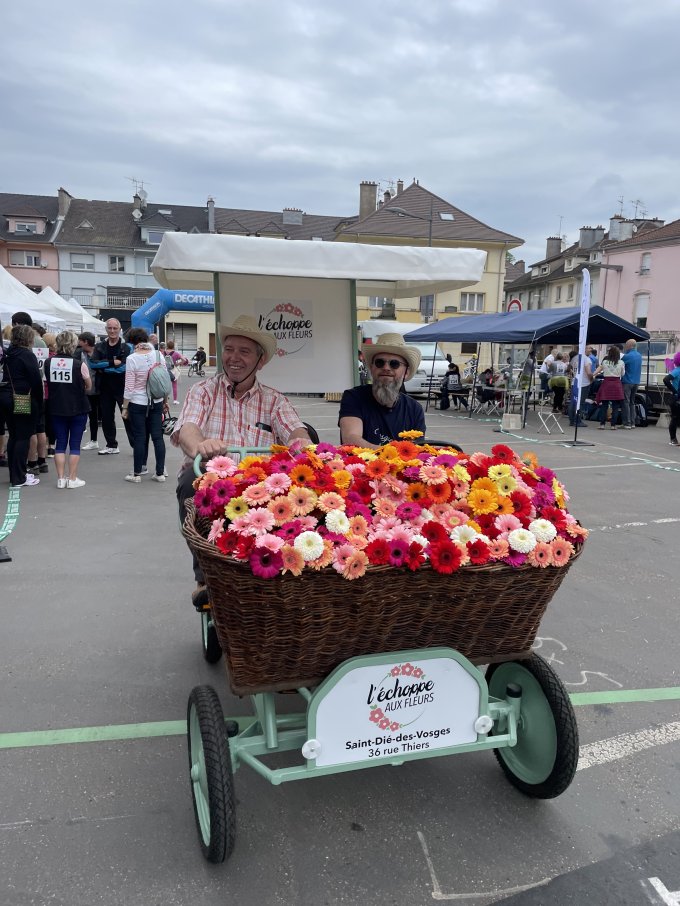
[393, 363]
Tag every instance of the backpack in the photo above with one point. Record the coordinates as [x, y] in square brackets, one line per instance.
[158, 383]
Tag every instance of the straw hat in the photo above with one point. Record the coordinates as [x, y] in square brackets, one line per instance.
[389, 344]
[246, 326]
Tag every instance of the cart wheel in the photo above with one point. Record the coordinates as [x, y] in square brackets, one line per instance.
[211, 646]
[212, 779]
[543, 762]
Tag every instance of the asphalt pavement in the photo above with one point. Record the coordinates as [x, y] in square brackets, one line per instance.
[100, 648]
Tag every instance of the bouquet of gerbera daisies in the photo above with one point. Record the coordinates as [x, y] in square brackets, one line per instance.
[402, 505]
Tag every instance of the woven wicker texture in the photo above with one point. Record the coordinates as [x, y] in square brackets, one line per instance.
[290, 631]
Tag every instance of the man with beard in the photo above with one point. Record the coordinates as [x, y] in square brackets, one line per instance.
[374, 414]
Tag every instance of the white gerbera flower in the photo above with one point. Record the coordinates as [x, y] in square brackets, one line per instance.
[464, 533]
[310, 545]
[543, 529]
[337, 521]
[421, 540]
[522, 540]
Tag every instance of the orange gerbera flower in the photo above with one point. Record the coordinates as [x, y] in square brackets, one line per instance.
[377, 468]
[482, 500]
[504, 506]
[314, 461]
[406, 449]
[530, 459]
[388, 452]
[486, 484]
[301, 475]
[417, 492]
[439, 493]
[325, 559]
[255, 472]
[293, 561]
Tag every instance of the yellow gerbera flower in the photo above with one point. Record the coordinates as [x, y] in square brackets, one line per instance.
[461, 472]
[237, 506]
[342, 478]
[410, 435]
[482, 500]
[506, 485]
[501, 471]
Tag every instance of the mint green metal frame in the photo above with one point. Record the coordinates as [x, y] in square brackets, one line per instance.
[271, 733]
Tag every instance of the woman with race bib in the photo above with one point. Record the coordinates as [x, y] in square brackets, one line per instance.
[68, 381]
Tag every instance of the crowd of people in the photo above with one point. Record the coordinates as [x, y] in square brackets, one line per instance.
[53, 386]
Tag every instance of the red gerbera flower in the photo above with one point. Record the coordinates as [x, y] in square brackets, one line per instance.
[415, 557]
[323, 481]
[503, 453]
[378, 552]
[434, 532]
[521, 504]
[445, 557]
[244, 546]
[478, 551]
[228, 541]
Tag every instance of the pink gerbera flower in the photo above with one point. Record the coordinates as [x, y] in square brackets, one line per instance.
[204, 503]
[277, 483]
[541, 555]
[398, 552]
[341, 555]
[507, 523]
[264, 563]
[408, 510]
[216, 529]
[358, 524]
[224, 466]
[271, 542]
[329, 500]
[257, 494]
[292, 560]
[303, 500]
[257, 522]
[498, 549]
[223, 490]
[562, 550]
[384, 508]
[282, 510]
[356, 566]
[432, 474]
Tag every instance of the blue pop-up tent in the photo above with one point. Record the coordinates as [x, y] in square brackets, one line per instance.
[547, 325]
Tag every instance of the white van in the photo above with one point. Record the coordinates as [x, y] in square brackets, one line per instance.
[433, 363]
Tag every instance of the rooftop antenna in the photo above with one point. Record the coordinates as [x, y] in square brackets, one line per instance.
[559, 229]
[139, 186]
[620, 201]
[639, 203]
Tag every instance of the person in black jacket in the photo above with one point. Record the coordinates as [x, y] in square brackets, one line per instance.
[21, 374]
[108, 360]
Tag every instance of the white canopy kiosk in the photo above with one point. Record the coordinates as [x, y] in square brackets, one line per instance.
[305, 292]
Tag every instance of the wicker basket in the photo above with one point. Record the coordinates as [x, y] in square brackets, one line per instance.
[289, 631]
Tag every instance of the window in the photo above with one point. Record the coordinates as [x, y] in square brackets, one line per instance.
[185, 337]
[378, 302]
[82, 295]
[468, 349]
[147, 265]
[427, 306]
[24, 259]
[154, 237]
[641, 309]
[82, 262]
[570, 291]
[472, 302]
[645, 263]
[558, 294]
[25, 227]
[545, 269]
[446, 215]
[117, 263]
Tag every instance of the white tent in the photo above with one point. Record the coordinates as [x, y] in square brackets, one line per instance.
[14, 296]
[73, 314]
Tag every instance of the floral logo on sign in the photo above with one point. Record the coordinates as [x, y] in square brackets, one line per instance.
[288, 323]
[376, 714]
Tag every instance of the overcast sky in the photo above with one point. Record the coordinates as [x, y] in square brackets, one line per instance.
[535, 117]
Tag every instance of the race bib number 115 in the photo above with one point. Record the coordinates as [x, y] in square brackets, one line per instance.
[61, 370]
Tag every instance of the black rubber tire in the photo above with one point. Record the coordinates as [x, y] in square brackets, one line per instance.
[219, 777]
[565, 726]
[211, 646]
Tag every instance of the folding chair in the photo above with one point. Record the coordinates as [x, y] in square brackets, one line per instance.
[547, 417]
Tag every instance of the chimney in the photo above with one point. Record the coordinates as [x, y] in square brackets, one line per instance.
[136, 203]
[292, 216]
[368, 192]
[65, 199]
[387, 196]
[400, 186]
[211, 214]
[598, 234]
[615, 227]
[553, 246]
[626, 230]
[585, 238]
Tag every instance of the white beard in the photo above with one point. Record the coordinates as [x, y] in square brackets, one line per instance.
[387, 392]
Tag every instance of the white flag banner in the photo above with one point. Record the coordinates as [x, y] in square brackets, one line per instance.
[582, 334]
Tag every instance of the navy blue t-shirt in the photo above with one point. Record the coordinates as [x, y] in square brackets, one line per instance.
[381, 424]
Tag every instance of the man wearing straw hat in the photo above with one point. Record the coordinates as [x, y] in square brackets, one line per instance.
[233, 409]
[374, 414]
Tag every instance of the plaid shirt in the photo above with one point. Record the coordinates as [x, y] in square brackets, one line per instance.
[238, 422]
